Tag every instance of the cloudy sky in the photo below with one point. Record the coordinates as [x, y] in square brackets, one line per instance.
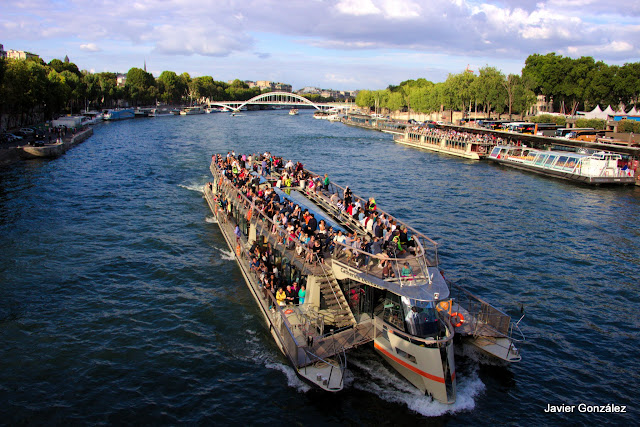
[339, 44]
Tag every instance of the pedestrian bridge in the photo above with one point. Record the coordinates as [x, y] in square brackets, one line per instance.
[285, 99]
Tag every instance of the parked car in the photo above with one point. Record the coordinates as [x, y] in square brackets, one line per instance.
[14, 137]
[27, 131]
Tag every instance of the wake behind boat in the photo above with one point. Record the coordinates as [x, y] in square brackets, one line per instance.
[353, 274]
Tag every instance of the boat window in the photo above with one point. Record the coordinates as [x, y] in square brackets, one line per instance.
[540, 159]
[392, 313]
[561, 162]
[420, 318]
[495, 151]
[550, 160]
[406, 355]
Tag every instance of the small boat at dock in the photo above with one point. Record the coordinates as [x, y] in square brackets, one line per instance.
[119, 114]
[594, 169]
[188, 111]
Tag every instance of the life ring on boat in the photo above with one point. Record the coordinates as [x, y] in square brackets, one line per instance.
[288, 311]
[238, 251]
[443, 306]
[457, 319]
[249, 215]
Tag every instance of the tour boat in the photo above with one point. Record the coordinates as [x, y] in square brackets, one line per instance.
[406, 309]
[597, 168]
[188, 111]
[293, 112]
[474, 148]
[321, 115]
[119, 114]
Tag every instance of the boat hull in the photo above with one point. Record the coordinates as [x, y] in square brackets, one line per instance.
[46, 151]
[430, 370]
[439, 149]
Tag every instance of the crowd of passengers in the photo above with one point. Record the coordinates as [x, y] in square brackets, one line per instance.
[455, 135]
[380, 239]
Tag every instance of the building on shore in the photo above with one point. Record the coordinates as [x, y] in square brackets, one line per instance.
[121, 79]
[3, 54]
[20, 54]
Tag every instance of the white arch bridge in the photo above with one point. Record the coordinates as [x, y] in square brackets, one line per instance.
[279, 99]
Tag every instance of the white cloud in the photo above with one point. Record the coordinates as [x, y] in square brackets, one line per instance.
[357, 7]
[90, 47]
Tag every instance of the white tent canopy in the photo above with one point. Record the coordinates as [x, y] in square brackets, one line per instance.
[596, 113]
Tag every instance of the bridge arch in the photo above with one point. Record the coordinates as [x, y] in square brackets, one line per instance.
[279, 98]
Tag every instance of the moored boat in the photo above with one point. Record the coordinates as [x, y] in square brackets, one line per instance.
[188, 111]
[119, 114]
[595, 169]
[454, 143]
[389, 292]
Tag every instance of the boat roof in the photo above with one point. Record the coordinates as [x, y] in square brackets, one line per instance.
[561, 153]
[436, 289]
[305, 203]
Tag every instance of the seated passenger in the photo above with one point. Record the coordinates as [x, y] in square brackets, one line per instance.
[281, 297]
[407, 271]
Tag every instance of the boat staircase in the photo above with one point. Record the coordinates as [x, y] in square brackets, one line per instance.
[338, 313]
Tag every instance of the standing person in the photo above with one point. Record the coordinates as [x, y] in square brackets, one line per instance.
[348, 195]
[290, 295]
[238, 233]
[295, 290]
[326, 182]
[302, 293]
[281, 297]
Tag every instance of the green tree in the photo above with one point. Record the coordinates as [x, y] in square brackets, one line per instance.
[140, 86]
[365, 99]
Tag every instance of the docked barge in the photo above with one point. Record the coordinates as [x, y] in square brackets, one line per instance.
[474, 148]
[395, 298]
[600, 168]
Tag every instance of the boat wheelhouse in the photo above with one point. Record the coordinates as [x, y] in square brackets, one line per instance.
[464, 145]
[395, 298]
[597, 168]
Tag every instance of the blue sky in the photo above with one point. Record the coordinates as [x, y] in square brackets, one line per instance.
[338, 44]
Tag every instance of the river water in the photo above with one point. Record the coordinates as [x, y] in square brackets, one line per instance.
[120, 302]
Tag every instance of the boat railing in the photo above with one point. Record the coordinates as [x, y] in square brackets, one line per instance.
[361, 260]
[486, 318]
[336, 368]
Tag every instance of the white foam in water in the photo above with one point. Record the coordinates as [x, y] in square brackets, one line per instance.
[193, 187]
[226, 254]
[388, 386]
[292, 378]
[211, 220]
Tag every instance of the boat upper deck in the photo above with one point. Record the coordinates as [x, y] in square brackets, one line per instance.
[367, 243]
